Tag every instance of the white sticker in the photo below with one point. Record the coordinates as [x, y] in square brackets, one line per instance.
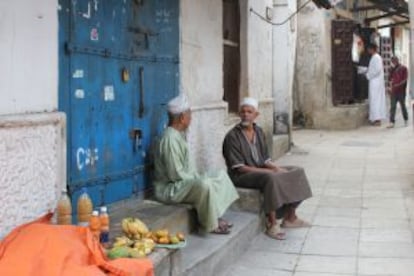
[78, 74]
[79, 94]
[94, 34]
[109, 94]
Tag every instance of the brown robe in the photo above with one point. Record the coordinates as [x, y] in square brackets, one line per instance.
[278, 188]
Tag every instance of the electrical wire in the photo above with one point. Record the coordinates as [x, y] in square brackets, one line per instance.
[283, 22]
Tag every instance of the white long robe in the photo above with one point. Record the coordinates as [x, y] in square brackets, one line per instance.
[376, 96]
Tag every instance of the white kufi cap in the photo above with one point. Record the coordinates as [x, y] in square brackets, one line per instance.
[178, 105]
[250, 101]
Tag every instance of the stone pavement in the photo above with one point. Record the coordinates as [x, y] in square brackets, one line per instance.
[361, 213]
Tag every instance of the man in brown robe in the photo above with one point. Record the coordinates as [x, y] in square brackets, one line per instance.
[250, 166]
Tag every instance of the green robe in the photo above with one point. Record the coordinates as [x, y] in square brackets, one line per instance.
[176, 181]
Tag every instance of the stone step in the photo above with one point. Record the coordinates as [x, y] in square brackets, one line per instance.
[210, 254]
[204, 254]
[176, 218]
[250, 200]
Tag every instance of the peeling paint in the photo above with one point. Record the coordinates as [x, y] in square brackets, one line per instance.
[88, 14]
[96, 5]
[163, 16]
[109, 93]
[86, 157]
[94, 34]
[79, 94]
[78, 74]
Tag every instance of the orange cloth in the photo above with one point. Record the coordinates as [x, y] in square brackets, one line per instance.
[42, 249]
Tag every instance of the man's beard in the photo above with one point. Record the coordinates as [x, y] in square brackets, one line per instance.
[245, 123]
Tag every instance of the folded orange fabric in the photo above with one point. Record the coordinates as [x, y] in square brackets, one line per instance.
[40, 248]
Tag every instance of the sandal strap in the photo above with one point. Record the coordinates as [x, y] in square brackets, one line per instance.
[276, 232]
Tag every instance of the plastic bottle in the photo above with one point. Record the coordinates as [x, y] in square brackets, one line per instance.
[95, 224]
[104, 219]
[85, 208]
[64, 209]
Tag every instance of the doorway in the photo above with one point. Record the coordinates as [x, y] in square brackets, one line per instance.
[118, 67]
[231, 52]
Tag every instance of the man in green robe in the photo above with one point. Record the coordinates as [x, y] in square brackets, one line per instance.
[176, 180]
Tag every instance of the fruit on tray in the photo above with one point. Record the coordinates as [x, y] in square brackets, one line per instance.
[119, 252]
[134, 228]
[138, 241]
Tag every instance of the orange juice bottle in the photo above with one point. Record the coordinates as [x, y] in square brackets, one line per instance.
[95, 224]
[64, 209]
[104, 219]
[85, 208]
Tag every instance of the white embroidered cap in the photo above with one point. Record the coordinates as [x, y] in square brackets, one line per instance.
[178, 105]
[250, 101]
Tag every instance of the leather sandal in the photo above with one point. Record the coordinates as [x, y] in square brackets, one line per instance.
[275, 232]
[297, 223]
[223, 222]
[221, 230]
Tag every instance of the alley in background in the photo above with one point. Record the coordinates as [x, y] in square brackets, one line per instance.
[362, 209]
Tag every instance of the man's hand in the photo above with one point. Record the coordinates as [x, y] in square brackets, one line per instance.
[279, 169]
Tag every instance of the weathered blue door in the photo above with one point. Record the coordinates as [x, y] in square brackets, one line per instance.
[118, 68]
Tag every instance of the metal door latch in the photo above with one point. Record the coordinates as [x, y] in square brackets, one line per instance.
[136, 136]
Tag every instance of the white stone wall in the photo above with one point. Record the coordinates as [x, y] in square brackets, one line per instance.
[258, 66]
[32, 140]
[284, 55]
[201, 73]
[201, 59]
[32, 166]
[201, 50]
[313, 63]
[29, 56]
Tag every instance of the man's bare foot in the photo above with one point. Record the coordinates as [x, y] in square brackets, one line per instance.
[297, 223]
[275, 232]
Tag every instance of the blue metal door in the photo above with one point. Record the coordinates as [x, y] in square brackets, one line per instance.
[118, 67]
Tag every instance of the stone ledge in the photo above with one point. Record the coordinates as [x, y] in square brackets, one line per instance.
[341, 117]
[280, 145]
[250, 201]
[202, 252]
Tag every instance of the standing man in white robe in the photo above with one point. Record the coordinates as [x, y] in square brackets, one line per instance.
[376, 96]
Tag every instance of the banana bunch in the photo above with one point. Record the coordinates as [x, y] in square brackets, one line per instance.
[134, 228]
[122, 241]
[144, 246]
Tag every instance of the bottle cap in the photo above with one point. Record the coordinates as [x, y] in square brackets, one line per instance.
[95, 213]
[104, 209]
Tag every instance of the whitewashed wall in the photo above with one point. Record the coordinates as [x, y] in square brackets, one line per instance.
[32, 138]
[259, 50]
[201, 50]
[32, 166]
[284, 55]
[313, 63]
[28, 55]
[201, 72]
[201, 59]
